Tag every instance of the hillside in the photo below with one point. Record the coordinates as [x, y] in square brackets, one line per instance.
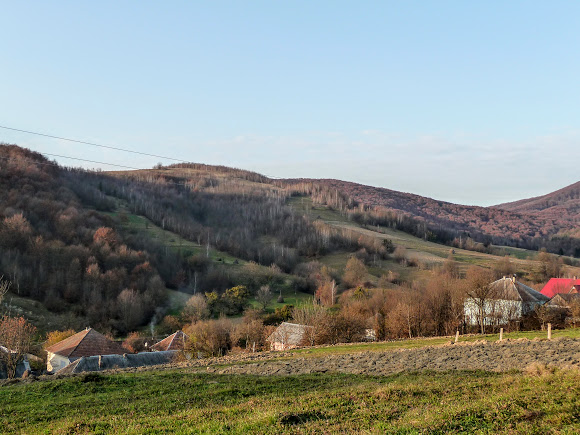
[118, 250]
[443, 222]
[104, 249]
[563, 204]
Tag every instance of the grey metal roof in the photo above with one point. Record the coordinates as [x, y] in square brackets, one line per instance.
[512, 290]
[106, 362]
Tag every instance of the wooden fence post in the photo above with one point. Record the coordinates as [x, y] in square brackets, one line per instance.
[549, 331]
[456, 336]
[500, 334]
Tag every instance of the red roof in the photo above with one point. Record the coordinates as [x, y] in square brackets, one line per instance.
[86, 343]
[175, 341]
[559, 285]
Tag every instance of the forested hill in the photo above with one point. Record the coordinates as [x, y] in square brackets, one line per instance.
[66, 237]
[563, 204]
[58, 248]
[65, 241]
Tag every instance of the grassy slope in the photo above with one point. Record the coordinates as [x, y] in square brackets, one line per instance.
[188, 401]
[39, 316]
[427, 252]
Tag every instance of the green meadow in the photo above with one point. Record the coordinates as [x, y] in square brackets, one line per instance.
[187, 401]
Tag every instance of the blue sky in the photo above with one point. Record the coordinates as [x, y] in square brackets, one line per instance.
[470, 102]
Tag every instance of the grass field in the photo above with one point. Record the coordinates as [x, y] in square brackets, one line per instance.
[185, 401]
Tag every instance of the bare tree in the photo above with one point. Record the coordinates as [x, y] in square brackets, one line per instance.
[479, 293]
[355, 272]
[196, 309]
[4, 286]
[130, 309]
[544, 314]
[326, 293]
[16, 336]
[264, 296]
[311, 315]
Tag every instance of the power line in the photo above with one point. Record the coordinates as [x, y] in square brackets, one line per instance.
[92, 144]
[56, 165]
[108, 147]
[93, 161]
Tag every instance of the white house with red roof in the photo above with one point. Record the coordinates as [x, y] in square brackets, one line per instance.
[560, 285]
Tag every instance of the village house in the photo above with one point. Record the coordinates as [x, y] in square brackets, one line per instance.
[175, 341]
[560, 285]
[289, 336]
[507, 301]
[564, 300]
[85, 343]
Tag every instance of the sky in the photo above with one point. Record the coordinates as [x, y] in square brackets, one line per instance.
[468, 102]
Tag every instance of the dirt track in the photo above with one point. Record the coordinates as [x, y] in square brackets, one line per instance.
[500, 357]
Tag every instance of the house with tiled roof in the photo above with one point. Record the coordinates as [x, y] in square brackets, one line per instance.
[85, 343]
[290, 335]
[507, 301]
[175, 341]
[564, 300]
[560, 285]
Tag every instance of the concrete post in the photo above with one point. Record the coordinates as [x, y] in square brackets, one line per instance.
[456, 336]
[549, 331]
[500, 334]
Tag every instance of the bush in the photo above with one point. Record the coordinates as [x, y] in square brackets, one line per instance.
[56, 336]
[209, 338]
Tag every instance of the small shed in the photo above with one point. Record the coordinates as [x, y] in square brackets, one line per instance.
[85, 343]
[289, 336]
[175, 341]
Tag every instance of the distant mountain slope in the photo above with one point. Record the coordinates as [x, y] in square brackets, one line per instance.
[558, 205]
[484, 221]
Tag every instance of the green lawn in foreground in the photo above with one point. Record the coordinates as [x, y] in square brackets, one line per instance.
[184, 402]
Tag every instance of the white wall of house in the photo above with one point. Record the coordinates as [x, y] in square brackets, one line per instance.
[496, 311]
[276, 345]
[55, 362]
